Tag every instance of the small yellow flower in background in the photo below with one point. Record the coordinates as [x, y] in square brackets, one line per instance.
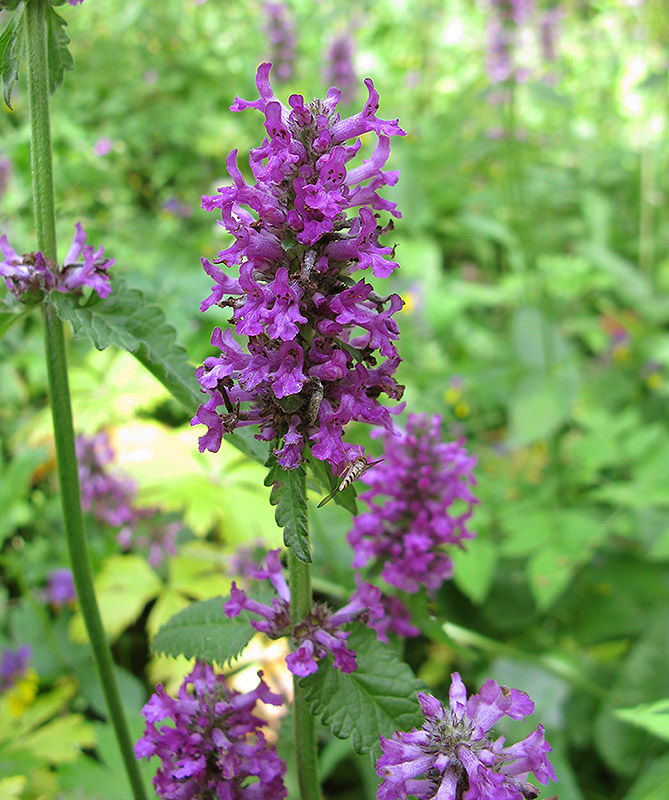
[22, 694]
[461, 410]
[409, 303]
[654, 380]
[621, 352]
[452, 395]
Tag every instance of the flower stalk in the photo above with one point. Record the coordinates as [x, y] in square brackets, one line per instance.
[306, 753]
[59, 392]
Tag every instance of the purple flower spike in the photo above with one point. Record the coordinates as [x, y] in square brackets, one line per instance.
[339, 70]
[111, 498]
[318, 635]
[60, 590]
[215, 747]
[316, 348]
[13, 665]
[33, 274]
[280, 31]
[420, 479]
[456, 754]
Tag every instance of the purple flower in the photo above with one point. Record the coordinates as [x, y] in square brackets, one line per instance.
[104, 145]
[308, 360]
[152, 534]
[5, 173]
[177, 208]
[396, 619]
[110, 498]
[75, 2]
[84, 266]
[34, 274]
[320, 633]
[420, 480]
[338, 69]
[214, 747]
[280, 31]
[60, 590]
[13, 665]
[454, 754]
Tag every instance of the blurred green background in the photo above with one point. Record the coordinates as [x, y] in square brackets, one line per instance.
[534, 253]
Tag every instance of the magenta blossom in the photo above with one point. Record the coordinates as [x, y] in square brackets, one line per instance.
[315, 345]
[214, 747]
[318, 635]
[420, 484]
[454, 755]
[33, 274]
[60, 589]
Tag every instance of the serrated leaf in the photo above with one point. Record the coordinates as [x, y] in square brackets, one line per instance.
[11, 48]
[57, 42]
[375, 700]
[127, 319]
[290, 498]
[204, 631]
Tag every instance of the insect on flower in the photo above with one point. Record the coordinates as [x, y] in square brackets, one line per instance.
[351, 473]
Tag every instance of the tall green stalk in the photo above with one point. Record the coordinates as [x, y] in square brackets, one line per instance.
[306, 753]
[45, 222]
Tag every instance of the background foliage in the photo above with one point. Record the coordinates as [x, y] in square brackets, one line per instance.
[535, 265]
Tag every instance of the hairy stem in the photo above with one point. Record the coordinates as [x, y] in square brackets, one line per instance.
[306, 753]
[59, 391]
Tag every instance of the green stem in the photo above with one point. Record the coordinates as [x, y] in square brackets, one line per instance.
[306, 752]
[59, 391]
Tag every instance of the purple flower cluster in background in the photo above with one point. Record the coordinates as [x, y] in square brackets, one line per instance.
[308, 363]
[34, 274]
[60, 589]
[456, 755]
[109, 497]
[112, 499]
[420, 480]
[13, 665]
[280, 31]
[320, 634]
[214, 746]
[339, 70]
[75, 2]
[5, 173]
[505, 19]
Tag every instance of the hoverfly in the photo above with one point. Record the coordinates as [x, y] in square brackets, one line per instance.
[353, 471]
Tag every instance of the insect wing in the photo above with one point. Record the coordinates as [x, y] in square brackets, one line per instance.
[328, 497]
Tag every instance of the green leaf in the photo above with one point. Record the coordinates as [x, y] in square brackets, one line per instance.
[652, 717]
[11, 48]
[127, 319]
[59, 56]
[59, 741]
[643, 678]
[204, 631]
[653, 783]
[475, 568]
[10, 318]
[125, 584]
[289, 497]
[375, 700]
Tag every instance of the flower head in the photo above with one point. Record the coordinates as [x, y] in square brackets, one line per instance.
[280, 31]
[109, 497]
[33, 274]
[339, 70]
[214, 748]
[60, 589]
[320, 633]
[13, 665]
[455, 756]
[421, 479]
[312, 334]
